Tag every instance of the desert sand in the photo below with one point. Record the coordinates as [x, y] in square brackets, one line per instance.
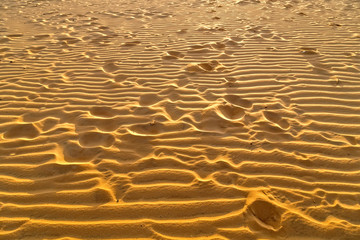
[184, 119]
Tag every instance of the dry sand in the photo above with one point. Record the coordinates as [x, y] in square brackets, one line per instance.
[180, 119]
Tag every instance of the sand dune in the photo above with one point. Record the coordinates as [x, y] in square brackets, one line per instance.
[211, 119]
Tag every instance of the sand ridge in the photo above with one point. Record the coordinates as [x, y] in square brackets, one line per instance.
[211, 119]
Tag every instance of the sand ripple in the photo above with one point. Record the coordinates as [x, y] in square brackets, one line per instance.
[179, 119]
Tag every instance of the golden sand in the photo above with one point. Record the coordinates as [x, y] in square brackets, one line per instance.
[170, 120]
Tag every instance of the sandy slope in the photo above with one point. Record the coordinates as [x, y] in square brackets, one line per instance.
[180, 119]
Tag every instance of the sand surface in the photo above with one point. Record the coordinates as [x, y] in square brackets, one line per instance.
[184, 119]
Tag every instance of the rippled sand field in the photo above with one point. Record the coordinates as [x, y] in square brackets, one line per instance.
[183, 119]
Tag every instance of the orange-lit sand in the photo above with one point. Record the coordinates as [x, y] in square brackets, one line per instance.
[173, 120]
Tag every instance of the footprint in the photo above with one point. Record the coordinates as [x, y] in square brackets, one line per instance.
[207, 66]
[168, 57]
[172, 55]
[147, 129]
[149, 99]
[266, 35]
[204, 48]
[218, 45]
[207, 28]
[105, 112]
[12, 224]
[335, 24]
[213, 124]
[103, 124]
[238, 101]
[182, 82]
[110, 67]
[41, 36]
[284, 100]
[36, 49]
[210, 66]
[253, 29]
[131, 44]
[89, 55]
[173, 111]
[230, 41]
[96, 139]
[121, 77]
[181, 31]
[272, 116]
[23, 130]
[308, 51]
[245, 2]
[351, 139]
[4, 40]
[15, 35]
[4, 50]
[102, 196]
[68, 40]
[198, 46]
[286, 78]
[73, 152]
[49, 123]
[231, 112]
[301, 13]
[266, 214]
[276, 118]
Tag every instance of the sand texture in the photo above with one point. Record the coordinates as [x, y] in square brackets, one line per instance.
[183, 119]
